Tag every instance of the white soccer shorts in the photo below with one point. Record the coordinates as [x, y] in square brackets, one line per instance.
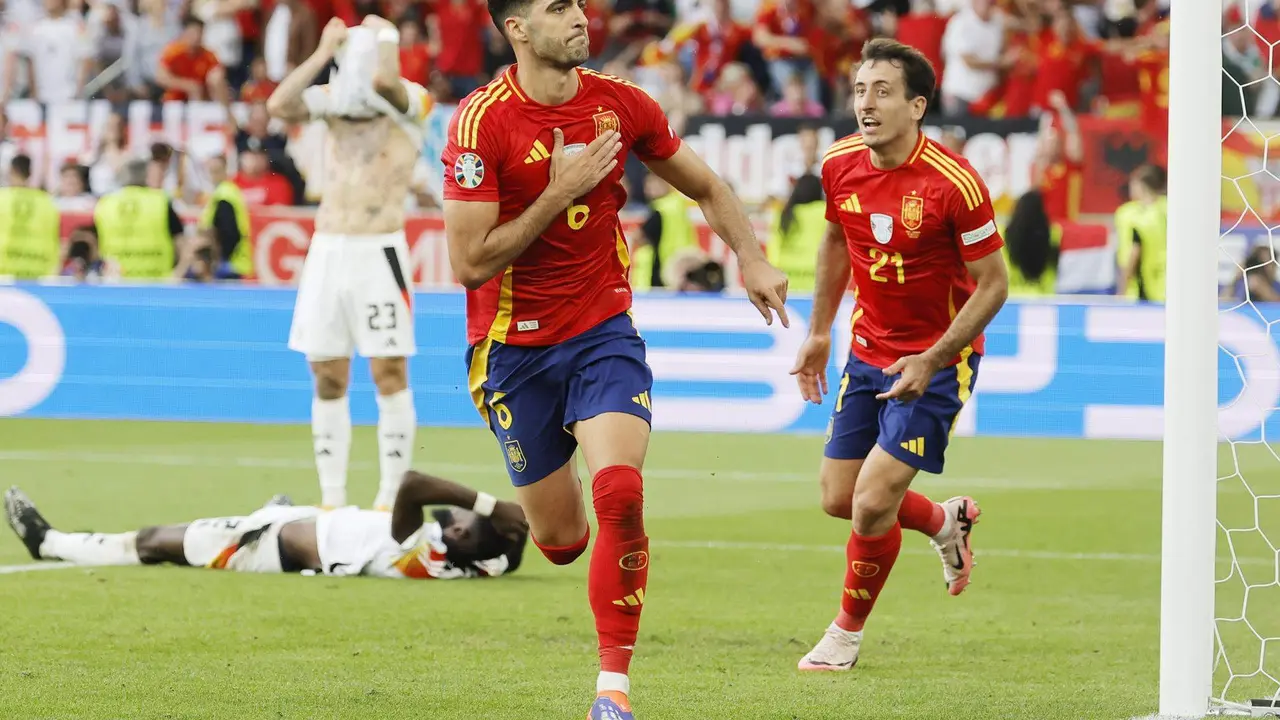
[224, 539]
[354, 295]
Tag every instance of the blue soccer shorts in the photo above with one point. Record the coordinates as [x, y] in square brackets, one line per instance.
[915, 432]
[531, 396]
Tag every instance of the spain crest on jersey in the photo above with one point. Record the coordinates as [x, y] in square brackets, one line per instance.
[515, 455]
[606, 121]
[912, 212]
[882, 227]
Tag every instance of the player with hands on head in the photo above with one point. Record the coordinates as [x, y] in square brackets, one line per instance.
[533, 171]
[911, 224]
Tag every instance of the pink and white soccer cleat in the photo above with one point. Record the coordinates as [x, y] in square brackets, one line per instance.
[953, 543]
[836, 651]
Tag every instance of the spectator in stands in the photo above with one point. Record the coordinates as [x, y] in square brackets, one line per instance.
[109, 156]
[665, 231]
[794, 102]
[156, 30]
[735, 92]
[221, 31]
[1058, 169]
[188, 70]
[1068, 63]
[782, 33]
[137, 228]
[290, 37]
[795, 164]
[973, 53]
[460, 26]
[1257, 280]
[226, 219]
[798, 231]
[73, 189]
[1031, 248]
[8, 148]
[112, 28]
[691, 270]
[715, 41]
[634, 24]
[257, 134]
[1142, 233]
[259, 184]
[82, 262]
[923, 29]
[197, 258]
[1242, 64]
[258, 87]
[675, 96]
[415, 55]
[58, 56]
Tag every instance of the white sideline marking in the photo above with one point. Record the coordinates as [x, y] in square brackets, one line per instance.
[782, 547]
[495, 469]
[979, 551]
[11, 569]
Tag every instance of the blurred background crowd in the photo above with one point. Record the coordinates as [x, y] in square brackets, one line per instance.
[1044, 68]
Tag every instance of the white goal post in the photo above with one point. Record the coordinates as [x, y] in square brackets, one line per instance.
[1189, 502]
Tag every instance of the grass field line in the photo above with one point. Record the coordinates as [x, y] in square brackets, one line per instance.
[784, 547]
[492, 468]
[979, 551]
[32, 567]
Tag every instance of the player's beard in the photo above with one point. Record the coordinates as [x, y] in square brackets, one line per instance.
[562, 55]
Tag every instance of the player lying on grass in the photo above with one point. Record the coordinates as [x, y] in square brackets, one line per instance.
[485, 541]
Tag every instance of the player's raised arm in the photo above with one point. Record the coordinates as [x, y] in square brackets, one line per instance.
[480, 248]
[766, 285]
[386, 80]
[830, 281]
[291, 101]
[419, 490]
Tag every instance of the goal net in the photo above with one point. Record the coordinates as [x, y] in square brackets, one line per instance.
[1244, 550]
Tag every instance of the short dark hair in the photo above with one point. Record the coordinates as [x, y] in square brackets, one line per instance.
[500, 10]
[21, 166]
[190, 20]
[921, 79]
[1152, 176]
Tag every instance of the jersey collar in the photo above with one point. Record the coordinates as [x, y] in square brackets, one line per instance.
[920, 145]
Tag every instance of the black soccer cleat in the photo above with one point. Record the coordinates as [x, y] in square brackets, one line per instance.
[25, 520]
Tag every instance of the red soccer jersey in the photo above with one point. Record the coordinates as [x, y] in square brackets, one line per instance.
[910, 231]
[574, 276]
[1061, 185]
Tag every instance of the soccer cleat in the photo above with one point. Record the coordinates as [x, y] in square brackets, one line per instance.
[611, 705]
[25, 520]
[954, 549]
[281, 500]
[837, 650]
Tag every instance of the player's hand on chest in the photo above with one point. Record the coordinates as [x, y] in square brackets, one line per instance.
[531, 160]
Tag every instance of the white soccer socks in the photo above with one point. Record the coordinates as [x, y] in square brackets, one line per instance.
[397, 426]
[331, 437]
[91, 548]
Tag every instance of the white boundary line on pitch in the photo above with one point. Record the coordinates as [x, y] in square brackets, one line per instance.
[496, 470]
[833, 549]
[33, 567]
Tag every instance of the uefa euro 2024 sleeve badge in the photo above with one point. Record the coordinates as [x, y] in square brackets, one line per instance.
[468, 171]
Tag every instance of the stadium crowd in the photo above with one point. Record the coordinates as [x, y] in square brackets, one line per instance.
[1050, 59]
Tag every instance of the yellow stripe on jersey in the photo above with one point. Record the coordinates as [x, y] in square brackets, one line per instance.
[511, 83]
[478, 374]
[624, 256]
[470, 110]
[920, 146]
[956, 174]
[611, 78]
[950, 175]
[473, 127]
[832, 154]
[502, 318]
[847, 142]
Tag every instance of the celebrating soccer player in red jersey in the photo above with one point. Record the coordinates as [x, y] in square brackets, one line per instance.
[913, 224]
[532, 193]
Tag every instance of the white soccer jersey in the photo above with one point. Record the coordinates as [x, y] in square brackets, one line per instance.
[352, 541]
[413, 121]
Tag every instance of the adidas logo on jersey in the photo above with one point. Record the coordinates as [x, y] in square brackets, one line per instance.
[537, 153]
[643, 401]
[851, 204]
[915, 447]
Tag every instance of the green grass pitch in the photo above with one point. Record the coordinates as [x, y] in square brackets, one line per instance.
[1061, 621]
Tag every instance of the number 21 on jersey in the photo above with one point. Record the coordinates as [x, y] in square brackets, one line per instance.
[883, 258]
